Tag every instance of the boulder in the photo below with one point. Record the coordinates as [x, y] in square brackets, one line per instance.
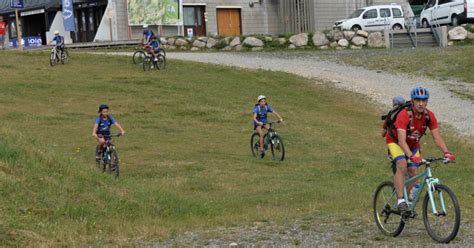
[163, 41]
[457, 33]
[211, 42]
[349, 35]
[172, 47]
[227, 48]
[253, 42]
[340, 48]
[181, 42]
[282, 41]
[375, 39]
[470, 36]
[171, 41]
[255, 49]
[235, 42]
[333, 44]
[320, 39]
[324, 47]
[268, 39]
[238, 48]
[199, 44]
[291, 46]
[203, 38]
[358, 41]
[451, 43]
[335, 35]
[362, 33]
[299, 40]
[194, 49]
[356, 47]
[343, 43]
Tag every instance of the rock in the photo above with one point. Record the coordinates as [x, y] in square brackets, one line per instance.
[253, 42]
[172, 47]
[299, 39]
[227, 48]
[194, 49]
[340, 48]
[235, 42]
[375, 39]
[356, 47]
[333, 44]
[268, 39]
[358, 41]
[362, 33]
[282, 41]
[451, 43]
[343, 43]
[470, 36]
[324, 47]
[211, 42]
[183, 48]
[203, 38]
[239, 48]
[291, 46]
[457, 33]
[163, 41]
[171, 41]
[335, 35]
[233, 245]
[255, 49]
[320, 39]
[181, 42]
[349, 35]
[190, 40]
[199, 44]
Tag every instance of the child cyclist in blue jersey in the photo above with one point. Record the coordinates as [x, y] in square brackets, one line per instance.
[102, 126]
[260, 120]
[153, 47]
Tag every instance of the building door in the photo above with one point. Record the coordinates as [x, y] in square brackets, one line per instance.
[194, 18]
[87, 22]
[228, 22]
[34, 25]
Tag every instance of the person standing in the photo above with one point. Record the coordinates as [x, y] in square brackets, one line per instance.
[3, 27]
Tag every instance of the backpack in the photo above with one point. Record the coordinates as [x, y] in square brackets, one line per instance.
[392, 115]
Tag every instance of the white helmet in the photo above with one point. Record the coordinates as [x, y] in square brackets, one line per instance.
[145, 25]
[56, 32]
[260, 97]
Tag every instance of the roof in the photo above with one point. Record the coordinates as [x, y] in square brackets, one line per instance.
[29, 5]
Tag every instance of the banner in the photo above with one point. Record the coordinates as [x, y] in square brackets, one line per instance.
[31, 41]
[154, 12]
[68, 16]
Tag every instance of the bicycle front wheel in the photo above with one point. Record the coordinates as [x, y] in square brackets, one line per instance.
[444, 225]
[147, 63]
[385, 202]
[114, 163]
[138, 57]
[52, 59]
[277, 147]
[161, 62]
[255, 145]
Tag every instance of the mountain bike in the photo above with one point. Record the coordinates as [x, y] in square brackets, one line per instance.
[270, 139]
[150, 63]
[57, 56]
[109, 160]
[140, 54]
[441, 211]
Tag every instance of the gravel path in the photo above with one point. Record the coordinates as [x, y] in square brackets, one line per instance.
[379, 86]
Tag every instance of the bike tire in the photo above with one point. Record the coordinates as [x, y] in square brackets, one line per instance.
[114, 163]
[276, 145]
[161, 62]
[162, 51]
[97, 161]
[383, 202]
[452, 232]
[52, 59]
[138, 57]
[147, 62]
[255, 145]
[65, 57]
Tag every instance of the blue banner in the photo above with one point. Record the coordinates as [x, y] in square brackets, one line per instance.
[31, 41]
[68, 15]
[17, 4]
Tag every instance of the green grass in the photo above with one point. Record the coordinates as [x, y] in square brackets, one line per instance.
[185, 160]
[443, 64]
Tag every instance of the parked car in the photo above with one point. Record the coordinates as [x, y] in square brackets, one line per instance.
[468, 14]
[374, 18]
[439, 12]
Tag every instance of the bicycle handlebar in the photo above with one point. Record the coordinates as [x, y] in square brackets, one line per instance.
[429, 161]
[111, 135]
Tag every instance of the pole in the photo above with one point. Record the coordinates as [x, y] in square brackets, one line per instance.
[110, 28]
[18, 30]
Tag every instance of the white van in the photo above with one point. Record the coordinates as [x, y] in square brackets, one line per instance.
[374, 18]
[468, 14]
[441, 12]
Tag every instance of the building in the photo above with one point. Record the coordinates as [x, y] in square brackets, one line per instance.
[100, 20]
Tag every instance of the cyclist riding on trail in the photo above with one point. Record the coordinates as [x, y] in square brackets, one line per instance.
[260, 113]
[403, 140]
[153, 47]
[102, 126]
[59, 41]
[147, 35]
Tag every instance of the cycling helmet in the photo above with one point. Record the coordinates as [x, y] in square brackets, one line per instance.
[398, 100]
[260, 97]
[56, 32]
[420, 93]
[103, 106]
[145, 25]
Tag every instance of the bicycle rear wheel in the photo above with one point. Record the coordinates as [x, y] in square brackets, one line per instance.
[277, 147]
[255, 145]
[114, 163]
[64, 57]
[161, 62]
[385, 202]
[147, 63]
[138, 56]
[444, 226]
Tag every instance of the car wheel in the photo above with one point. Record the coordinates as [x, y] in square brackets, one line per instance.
[356, 28]
[455, 20]
[424, 23]
[397, 27]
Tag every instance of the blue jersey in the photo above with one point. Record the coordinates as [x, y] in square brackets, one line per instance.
[59, 40]
[155, 44]
[104, 124]
[262, 112]
[147, 34]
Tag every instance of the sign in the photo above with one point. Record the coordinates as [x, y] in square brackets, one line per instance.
[31, 41]
[190, 32]
[16, 4]
[68, 16]
[154, 12]
[32, 12]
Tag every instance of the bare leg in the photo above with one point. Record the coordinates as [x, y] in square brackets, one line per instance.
[399, 178]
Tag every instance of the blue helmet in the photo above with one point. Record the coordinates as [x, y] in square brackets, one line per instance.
[103, 106]
[420, 93]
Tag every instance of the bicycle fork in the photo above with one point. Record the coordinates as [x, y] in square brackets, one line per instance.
[431, 182]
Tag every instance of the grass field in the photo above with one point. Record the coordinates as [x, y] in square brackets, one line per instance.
[185, 160]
